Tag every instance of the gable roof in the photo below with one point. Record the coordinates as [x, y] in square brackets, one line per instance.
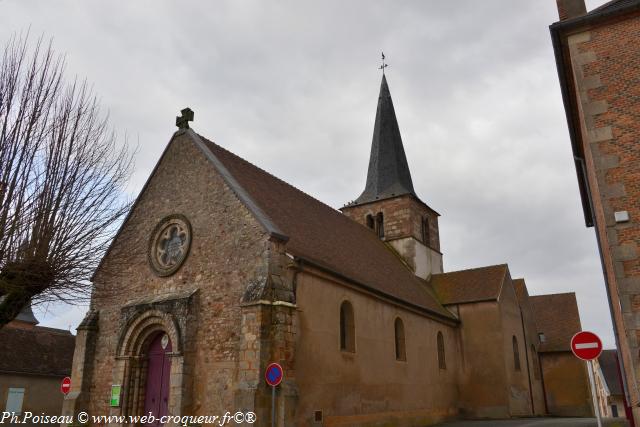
[320, 234]
[608, 361]
[558, 318]
[472, 285]
[37, 350]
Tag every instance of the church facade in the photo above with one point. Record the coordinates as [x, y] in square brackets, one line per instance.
[203, 288]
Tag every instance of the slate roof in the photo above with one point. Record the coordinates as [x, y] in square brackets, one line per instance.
[473, 285]
[320, 234]
[37, 350]
[557, 317]
[609, 364]
[388, 174]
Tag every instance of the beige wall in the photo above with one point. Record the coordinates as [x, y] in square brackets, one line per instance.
[369, 386]
[42, 394]
[489, 384]
[518, 381]
[566, 385]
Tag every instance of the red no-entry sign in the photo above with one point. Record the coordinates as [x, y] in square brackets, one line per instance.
[65, 386]
[586, 345]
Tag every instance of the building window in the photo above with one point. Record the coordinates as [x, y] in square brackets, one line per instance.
[442, 364]
[15, 396]
[347, 328]
[516, 354]
[536, 364]
[541, 337]
[401, 351]
[425, 231]
[380, 224]
[370, 223]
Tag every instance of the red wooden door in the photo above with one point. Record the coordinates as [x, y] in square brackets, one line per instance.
[158, 374]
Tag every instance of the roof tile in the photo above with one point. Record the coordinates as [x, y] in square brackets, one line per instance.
[558, 318]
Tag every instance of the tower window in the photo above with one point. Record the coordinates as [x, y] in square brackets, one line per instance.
[442, 364]
[347, 328]
[370, 222]
[401, 352]
[541, 337]
[425, 231]
[380, 224]
[516, 354]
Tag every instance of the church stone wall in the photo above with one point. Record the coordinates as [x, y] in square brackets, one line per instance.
[402, 218]
[228, 251]
[517, 380]
[483, 380]
[490, 386]
[369, 387]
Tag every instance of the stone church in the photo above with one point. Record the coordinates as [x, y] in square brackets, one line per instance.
[202, 289]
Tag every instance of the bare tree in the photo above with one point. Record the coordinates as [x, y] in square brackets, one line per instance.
[62, 175]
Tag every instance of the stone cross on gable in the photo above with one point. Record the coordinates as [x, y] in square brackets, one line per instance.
[183, 121]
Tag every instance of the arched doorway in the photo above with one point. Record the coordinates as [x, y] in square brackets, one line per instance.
[156, 401]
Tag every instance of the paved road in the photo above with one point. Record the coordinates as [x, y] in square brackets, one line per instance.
[538, 422]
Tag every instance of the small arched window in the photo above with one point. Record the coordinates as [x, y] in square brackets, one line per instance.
[347, 328]
[442, 364]
[425, 230]
[516, 354]
[401, 351]
[380, 224]
[536, 364]
[370, 222]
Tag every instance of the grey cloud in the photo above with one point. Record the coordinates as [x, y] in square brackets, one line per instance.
[292, 87]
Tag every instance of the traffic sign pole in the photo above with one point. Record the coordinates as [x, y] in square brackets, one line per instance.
[273, 406]
[273, 376]
[596, 407]
[588, 346]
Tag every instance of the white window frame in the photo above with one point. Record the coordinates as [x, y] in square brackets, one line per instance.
[15, 404]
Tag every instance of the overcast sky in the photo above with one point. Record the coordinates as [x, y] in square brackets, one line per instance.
[292, 86]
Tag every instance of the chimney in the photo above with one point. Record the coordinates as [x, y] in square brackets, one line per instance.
[568, 9]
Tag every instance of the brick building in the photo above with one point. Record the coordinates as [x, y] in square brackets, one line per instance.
[221, 268]
[599, 70]
[33, 361]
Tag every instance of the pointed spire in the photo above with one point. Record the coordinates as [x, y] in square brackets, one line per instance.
[388, 174]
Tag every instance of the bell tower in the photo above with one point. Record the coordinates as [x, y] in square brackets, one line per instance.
[389, 205]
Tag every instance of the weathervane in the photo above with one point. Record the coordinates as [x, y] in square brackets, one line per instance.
[384, 64]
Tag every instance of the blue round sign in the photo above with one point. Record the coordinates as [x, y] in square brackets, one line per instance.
[274, 374]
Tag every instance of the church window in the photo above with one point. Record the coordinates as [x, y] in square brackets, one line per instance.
[401, 351]
[380, 224]
[541, 337]
[425, 231]
[347, 328]
[169, 244]
[442, 364]
[516, 354]
[534, 360]
[370, 222]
